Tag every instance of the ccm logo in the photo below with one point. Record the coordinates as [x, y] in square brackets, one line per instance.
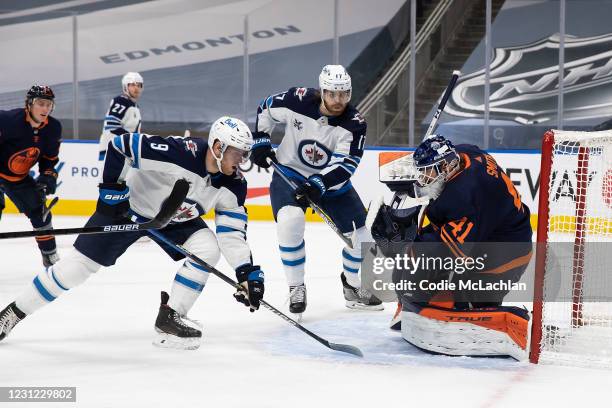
[121, 227]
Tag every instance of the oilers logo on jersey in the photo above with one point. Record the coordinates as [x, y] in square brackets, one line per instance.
[314, 154]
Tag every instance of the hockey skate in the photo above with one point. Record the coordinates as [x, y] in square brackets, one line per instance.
[173, 331]
[9, 317]
[49, 257]
[297, 299]
[396, 321]
[358, 298]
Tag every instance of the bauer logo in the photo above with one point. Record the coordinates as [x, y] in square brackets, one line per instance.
[112, 228]
[525, 82]
[313, 154]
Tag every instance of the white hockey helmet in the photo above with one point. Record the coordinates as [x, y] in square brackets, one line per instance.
[334, 78]
[131, 78]
[230, 132]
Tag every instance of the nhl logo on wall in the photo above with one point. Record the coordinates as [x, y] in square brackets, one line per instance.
[524, 82]
[313, 154]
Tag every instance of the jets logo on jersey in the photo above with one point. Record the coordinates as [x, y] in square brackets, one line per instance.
[190, 146]
[188, 211]
[358, 118]
[297, 124]
[314, 154]
[300, 93]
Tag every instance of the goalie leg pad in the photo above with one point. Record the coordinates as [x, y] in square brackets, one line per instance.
[484, 332]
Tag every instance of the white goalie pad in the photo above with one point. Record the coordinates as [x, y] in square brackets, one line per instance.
[458, 339]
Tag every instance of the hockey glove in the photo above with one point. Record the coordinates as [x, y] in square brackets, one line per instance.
[114, 200]
[47, 182]
[262, 151]
[251, 278]
[394, 230]
[313, 189]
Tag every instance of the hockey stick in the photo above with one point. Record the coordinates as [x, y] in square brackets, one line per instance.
[47, 209]
[315, 207]
[163, 217]
[442, 104]
[345, 348]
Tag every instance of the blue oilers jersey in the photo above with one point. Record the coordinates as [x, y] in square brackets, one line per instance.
[123, 116]
[150, 165]
[477, 204]
[22, 146]
[313, 143]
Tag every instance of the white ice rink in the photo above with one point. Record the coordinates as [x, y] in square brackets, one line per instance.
[98, 338]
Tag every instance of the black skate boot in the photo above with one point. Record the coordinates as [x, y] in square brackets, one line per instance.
[358, 298]
[173, 331]
[297, 299]
[49, 257]
[9, 317]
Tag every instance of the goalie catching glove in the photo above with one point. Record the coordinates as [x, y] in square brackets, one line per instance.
[251, 278]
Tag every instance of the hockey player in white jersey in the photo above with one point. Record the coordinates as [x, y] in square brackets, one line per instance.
[139, 172]
[320, 151]
[123, 114]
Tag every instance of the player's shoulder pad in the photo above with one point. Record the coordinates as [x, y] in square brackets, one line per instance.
[54, 125]
[123, 100]
[236, 183]
[352, 121]
[295, 99]
[469, 149]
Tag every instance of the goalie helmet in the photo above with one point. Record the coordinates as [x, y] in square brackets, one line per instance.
[436, 160]
[131, 78]
[230, 132]
[334, 78]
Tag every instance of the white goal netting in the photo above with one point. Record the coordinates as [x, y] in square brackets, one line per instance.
[576, 322]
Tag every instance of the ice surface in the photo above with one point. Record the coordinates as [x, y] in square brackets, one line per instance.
[98, 338]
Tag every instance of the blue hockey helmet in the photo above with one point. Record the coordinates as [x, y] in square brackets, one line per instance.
[435, 159]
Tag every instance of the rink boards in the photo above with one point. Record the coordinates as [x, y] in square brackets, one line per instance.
[79, 172]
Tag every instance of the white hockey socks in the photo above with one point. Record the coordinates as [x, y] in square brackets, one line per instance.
[70, 271]
[290, 225]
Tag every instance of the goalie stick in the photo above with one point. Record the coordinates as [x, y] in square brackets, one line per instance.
[442, 104]
[316, 208]
[167, 211]
[345, 348]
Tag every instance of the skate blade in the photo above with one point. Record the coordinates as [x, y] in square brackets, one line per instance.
[352, 304]
[164, 340]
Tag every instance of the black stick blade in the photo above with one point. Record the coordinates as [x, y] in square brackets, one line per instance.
[346, 348]
[171, 205]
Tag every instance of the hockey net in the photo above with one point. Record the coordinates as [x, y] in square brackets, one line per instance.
[572, 316]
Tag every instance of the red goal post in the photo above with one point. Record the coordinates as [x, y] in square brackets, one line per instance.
[572, 312]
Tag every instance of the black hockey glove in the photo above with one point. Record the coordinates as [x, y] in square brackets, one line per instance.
[114, 200]
[251, 278]
[313, 189]
[47, 182]
[262, 151]
[394, 230]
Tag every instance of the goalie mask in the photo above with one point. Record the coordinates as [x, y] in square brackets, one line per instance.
[436, 161]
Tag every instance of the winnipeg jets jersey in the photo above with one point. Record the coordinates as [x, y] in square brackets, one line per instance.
[313, 143]
[150, 165]
[123, 116]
